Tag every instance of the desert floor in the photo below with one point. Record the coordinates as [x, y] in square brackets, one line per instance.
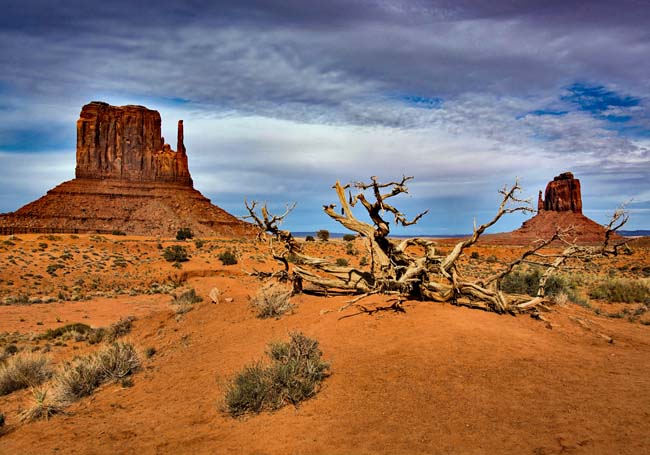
[434, 379]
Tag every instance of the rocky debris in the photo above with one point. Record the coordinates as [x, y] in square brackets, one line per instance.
[125, 142]
[128, 180]
[562, 195]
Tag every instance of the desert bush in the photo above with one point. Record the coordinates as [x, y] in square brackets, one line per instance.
[323, 235]
[475, 255]
[187, 297]
[363, 261]
[491, 259]
[228, 258]
[309, 238]
[622, 290]
[198, 243]
[184, 233]
[527, 282]
[175, 253]
[349, 237]
[342, 262]
[118, 329]
[295, 374]
[117, 232]
[272, 302]
[83, 375]
[76, 327]
[185, 301]
[22, 371]
[350, 249]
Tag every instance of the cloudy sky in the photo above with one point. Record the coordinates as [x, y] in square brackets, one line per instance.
[281, 98]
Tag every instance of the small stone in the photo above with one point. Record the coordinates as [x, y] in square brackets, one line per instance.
[214, 295]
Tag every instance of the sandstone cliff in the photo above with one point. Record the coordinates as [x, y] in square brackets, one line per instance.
[125, 142]
[563, 194]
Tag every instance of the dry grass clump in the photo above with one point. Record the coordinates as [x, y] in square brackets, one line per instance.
[44, 407]
[272, 301]
[22, 371]
[83, 375]
[80, 378]
[295, 374]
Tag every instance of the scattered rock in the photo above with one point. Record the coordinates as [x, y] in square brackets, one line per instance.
[214, 295]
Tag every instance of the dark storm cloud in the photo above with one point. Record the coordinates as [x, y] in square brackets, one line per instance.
[449, 85]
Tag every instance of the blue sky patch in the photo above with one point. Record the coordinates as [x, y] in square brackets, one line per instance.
[596, 98]
[422, 101]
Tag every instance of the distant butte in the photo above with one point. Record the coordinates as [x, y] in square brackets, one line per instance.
[560, 208]
[128, 180]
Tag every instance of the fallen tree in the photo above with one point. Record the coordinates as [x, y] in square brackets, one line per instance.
[414, 268]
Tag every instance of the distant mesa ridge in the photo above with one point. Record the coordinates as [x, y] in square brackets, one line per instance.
[127, 179]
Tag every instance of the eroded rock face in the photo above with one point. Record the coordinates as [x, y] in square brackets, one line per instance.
[562, 195]
[125, 143]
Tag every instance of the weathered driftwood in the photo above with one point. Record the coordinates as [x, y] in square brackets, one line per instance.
[396, 268]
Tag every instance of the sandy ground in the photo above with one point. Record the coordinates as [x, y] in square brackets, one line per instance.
[435, 379]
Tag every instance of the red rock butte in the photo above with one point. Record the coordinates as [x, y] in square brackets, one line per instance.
[127, 179]
[561, 208]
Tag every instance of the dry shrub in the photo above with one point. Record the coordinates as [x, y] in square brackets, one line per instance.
[272, 301]
[83, 375]
[628, 291]
[295, 374]
[22, 371]
[185, 301]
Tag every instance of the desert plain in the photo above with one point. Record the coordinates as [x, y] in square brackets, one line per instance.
[434, 378]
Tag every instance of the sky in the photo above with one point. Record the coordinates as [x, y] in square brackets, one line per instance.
[282, 98]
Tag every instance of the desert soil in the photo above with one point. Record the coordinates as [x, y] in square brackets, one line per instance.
[434, 379]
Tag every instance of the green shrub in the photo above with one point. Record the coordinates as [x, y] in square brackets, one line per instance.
[363, 261]
[22, 371]
[228, 258]
[323, 235]
[295, 374]
[475, 255]
[175, 253]
[118, 232]
[184, 233]
[342, 262]
[271, 302]
[627, 291]
[309, 238]
[198, 243]
[349, 237]
[527, 282]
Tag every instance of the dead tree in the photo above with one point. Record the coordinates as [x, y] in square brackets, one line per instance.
[413, 268]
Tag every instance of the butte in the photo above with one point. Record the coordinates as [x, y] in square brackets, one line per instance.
[127, 180]
[560, 208]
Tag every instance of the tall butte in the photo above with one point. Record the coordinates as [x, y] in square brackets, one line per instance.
[560, 208]
[127, 179]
